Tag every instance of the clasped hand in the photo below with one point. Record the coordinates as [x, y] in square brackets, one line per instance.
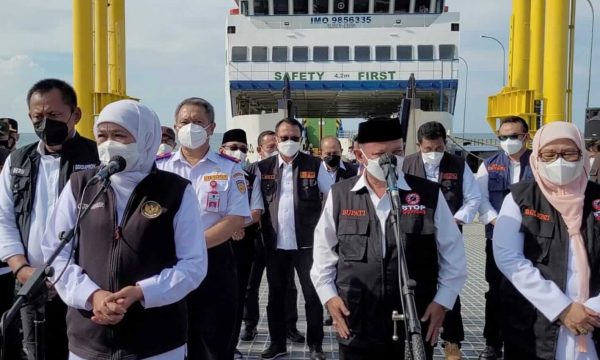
[110, 308]
[579, 319]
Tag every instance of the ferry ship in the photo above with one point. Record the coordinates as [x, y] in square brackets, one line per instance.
[345, 59]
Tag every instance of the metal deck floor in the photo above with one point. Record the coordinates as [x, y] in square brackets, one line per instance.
[472, 297]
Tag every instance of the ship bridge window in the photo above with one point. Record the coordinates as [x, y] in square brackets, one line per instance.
[239, 54]
[425, 52]
[402, 6]
[320, 6]
[279, 54]
[340, 6]
[300, 6]
[341, 53]
[362, 53]
[261, 7]
[382, 6]
[422, 6]
[383, 53]
[300, 54]
[404, 53]
[361, 6]
[321, 53]
[280, 7]
[447, 52]
[259, 53]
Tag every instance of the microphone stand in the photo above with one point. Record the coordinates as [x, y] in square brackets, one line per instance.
[414, 348]
[35, 286]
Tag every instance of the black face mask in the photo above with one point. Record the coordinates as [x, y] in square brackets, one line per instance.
[51, 132]
[332, 161]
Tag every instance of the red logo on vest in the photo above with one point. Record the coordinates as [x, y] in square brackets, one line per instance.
[596, 204]
[413, 199]
[449, 176]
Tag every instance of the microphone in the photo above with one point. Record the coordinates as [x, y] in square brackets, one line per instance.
[115, 165]
[387, 162]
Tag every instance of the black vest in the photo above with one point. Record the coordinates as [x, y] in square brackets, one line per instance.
[77, 154]
[546, 246]
[366, 280]
[452, 170]
[251, 231]
[595, 171]
[307, 198]
[347, 173]
[118, 255]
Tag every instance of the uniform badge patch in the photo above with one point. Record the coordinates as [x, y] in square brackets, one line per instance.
[307, 175]
[449, 176]
[151, 209]
[241, 185]
[413, 199]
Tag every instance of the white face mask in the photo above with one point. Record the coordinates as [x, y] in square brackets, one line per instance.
[376, 170]
[238, 154]
[288, 148]
[164, 149]
[267, 155]
[110, 148]
[192, 136]
[432, 158]
[560, 171]
[511, 146]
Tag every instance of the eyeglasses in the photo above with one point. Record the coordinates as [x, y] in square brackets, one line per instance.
[286, 138]
[550, 156]
[243, 149]
[512, 137]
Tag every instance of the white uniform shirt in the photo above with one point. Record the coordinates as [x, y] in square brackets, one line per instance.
[219, 184]
[256, 199]
[544, 294]
[471, 194]
[46, 195]
[286, 223]
[451, 252]
[487, 213]
[333, 173]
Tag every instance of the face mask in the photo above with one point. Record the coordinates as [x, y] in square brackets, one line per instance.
[510, 146]
[433, 158]
[374, 169]
[288, 148]
[332, 161]
[110, 148]
[192, 136]
[560, 171]
[267, 155]
[51, 132]
[238, 154]
[164, 149]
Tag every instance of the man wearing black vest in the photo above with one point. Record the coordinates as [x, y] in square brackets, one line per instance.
[460, 190]
[331, 154]
[30, 183]
[495, 176]
[291, 185]
[355, 267]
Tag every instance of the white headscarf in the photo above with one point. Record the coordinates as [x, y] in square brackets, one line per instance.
[143, 124]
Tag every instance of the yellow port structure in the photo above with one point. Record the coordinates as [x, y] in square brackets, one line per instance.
[540, 64]
[98, 57]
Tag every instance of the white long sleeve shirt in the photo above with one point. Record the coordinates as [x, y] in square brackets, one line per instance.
[451, 252]
[471, 194]
[487, 213]
[544, 294]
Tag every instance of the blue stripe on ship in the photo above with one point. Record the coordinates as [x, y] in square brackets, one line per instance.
[350, 85]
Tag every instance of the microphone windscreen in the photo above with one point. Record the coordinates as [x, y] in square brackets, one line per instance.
[387, 159]
[120, 161]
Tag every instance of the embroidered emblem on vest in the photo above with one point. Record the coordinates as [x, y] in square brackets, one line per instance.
[80, 167]
[413, 199]
[449, 176]
[354, 213]
[151, 209]
[307, 175]
[97, 205]
[495, 167]
[268, 177]
[17, 171]
[540, 216]
[596, 204]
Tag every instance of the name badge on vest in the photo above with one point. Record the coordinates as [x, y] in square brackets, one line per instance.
[213, 198]
[449, 176]
[307, 175]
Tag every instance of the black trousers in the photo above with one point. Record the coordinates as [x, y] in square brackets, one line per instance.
[391, 350]
[212, 308]
[13, 344]
[251, 309]
[492, 328]
[454, 331]
[55, 328]
[244, 254]
[280, 263]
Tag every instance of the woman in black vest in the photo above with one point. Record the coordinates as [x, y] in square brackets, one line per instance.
[546, 244]
[139, 251]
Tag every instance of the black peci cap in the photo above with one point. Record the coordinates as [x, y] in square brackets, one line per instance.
[379, 130]
[238, 135]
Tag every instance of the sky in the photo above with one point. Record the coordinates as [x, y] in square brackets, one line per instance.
[176, 49]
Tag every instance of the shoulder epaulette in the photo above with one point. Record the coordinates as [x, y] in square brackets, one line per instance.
[230, 158]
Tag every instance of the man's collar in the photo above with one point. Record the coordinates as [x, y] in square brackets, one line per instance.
[280, 160]
[341, 166]
[210, 155]
[362, 182]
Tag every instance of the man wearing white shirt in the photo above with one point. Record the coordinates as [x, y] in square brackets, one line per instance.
[30, 183]
[495, 175]
[331, 154]
[355, 267]
[460, 190]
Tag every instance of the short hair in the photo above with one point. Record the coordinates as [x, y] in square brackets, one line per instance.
[263, 134]
[68, 95]
[14, 124]
[331, 138]
[196, 101]
[431, 130]
[289, 121]
[515, 120]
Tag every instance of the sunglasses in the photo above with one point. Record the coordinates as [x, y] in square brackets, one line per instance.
[512, 137]
[286, 138]
[551, 156]
[243, 149]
